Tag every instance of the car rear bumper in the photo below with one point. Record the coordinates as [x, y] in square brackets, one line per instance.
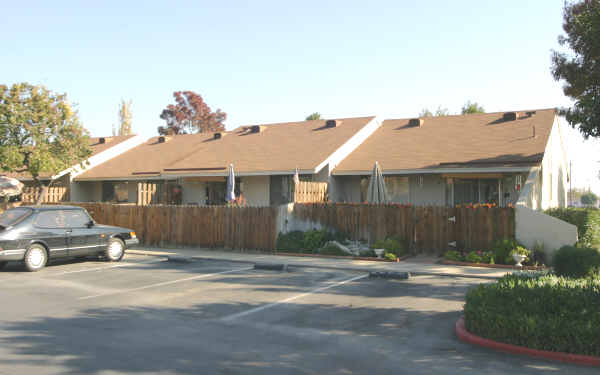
[6, 255]
[131, 242]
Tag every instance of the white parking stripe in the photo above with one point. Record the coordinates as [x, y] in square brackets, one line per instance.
[164, 283]
[264, 307]
[109, 267]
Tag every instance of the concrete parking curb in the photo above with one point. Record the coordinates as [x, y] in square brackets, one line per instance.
[293, 264]
[270, 266]
[466, 336]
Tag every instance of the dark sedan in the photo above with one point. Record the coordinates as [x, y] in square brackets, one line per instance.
[35, 234]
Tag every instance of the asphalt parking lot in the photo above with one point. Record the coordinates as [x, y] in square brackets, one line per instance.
[147, 315]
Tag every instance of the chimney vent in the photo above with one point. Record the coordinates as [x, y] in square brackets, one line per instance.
[509, 116]
[333, 123]
[416, 122]
[163, 139]
[219, 135]
[102, 140]
[256, 129]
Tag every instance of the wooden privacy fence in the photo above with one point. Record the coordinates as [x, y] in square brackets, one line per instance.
[306, 191]
[55, 194]
[426, 229]
[205, 226]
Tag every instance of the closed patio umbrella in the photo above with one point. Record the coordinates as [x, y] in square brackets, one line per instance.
[230, 184]
[10, 186]
[377, 193]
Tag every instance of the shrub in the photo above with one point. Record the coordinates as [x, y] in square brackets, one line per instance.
[314, 239]
[541, 312]
[368, 253]
[332, 250]
[504, 248]
[292, 242]
[454, 255]
[392, 245]
[390, 256]
[570, 261]
[587, 221]
[473, 257]
[487, 257]
[518, 250]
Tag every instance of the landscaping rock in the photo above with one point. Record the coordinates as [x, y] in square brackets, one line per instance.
[344, 248]
[390, 275]
[179, 259]
[271, 266]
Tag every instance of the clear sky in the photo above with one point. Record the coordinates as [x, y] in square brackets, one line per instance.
[273, 61]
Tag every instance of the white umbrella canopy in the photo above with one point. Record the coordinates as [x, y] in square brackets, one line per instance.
[377, 192]
[230, 184]
[10, 186]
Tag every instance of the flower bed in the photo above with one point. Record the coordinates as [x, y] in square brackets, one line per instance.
[506, 266]
[372, 259]
[502, 254]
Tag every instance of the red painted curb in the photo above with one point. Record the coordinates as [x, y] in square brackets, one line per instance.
[579, 359]
[484, 265]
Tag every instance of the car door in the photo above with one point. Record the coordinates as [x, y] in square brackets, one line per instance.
[50, 228]
[84, 239]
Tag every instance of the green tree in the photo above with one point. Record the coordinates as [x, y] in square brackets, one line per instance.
[581, 69]
[39, 132]
[589, 198]
[440, 111]
[124, 118]
[469, 108]
[313, 116]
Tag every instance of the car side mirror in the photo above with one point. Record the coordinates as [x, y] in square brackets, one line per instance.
[90, 224]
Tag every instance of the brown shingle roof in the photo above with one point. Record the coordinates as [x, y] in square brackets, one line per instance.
[462, 141]
[95, 145]
[278, 147]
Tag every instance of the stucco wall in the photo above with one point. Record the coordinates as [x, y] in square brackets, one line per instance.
[554, 170]
[531, 194]
[256, 190]
[132, 191]
[193, 192]
[534, 227]
[347, 189]
[86, 191]
[432, 193]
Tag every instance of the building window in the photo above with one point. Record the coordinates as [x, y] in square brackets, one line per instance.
[397, 189]
[117, 192]
[461, 191]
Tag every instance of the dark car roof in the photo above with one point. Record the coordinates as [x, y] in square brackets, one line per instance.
[52, 207]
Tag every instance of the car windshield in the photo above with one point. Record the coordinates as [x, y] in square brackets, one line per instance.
[13, 216]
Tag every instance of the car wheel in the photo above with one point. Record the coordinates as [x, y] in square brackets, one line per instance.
[115, 250]
[35, 258]
[3, 264]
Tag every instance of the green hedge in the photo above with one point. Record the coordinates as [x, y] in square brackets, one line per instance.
[546, 312]
[570, 261]
[587, 221]
[306, 242]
